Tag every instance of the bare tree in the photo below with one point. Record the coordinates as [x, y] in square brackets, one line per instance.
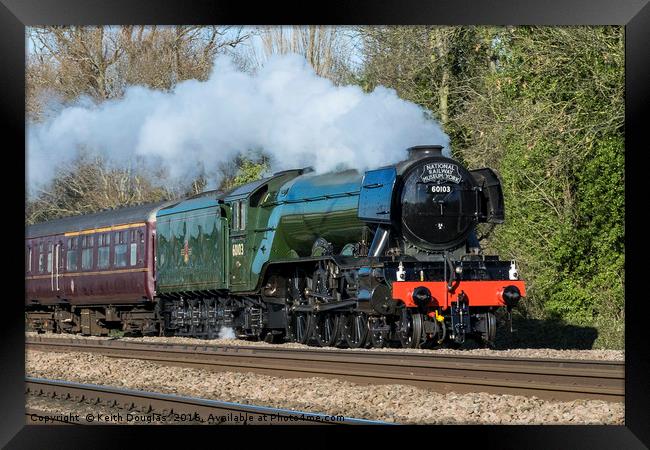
[326, 48]
[82, 57]
[160, 57]
[90, 184]
[100, 62]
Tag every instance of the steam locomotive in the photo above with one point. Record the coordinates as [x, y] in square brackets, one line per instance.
[389, 257]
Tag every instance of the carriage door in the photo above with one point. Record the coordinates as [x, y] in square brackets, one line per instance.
[60, 267]
[57, 266]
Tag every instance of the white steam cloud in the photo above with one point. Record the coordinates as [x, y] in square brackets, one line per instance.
[226, 333]
[286, 110]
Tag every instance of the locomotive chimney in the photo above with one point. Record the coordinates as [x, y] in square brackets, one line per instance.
[424, 151]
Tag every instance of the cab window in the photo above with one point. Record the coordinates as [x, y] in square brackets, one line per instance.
[239, 215]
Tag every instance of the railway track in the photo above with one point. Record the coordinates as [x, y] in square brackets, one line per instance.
[133, 406]
[545, 378]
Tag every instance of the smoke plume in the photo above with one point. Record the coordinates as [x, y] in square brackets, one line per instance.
[226, 333]
[285, 110]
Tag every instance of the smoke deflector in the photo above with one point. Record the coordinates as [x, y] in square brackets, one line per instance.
[375, 198]
[492, 207]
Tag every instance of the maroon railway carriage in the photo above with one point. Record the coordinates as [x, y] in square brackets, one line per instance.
[83, 271]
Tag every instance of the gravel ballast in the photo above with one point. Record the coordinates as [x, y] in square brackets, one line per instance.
[392, 403]
[603, 355]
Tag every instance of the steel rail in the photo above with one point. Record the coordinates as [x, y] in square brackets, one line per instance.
[169, 407]
[556, 379]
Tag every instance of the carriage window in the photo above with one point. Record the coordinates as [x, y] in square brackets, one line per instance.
[29, 259]
[121, 249]
[49, 257]
[134, 247]
[104, 251]
[87, 253]
[71, 255]
[134, 253]
[141, 250]
[41, 258]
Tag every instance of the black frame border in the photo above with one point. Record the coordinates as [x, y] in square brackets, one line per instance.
[15, 15]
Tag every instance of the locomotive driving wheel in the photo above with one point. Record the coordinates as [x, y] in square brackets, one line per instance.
[299, 323]
[327, 329]
[409, 328]
[356, 329]
[327, 325]
[301, 327]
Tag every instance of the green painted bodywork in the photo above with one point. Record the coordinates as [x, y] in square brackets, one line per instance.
[285, 215]
[190, 241]
[291, 218]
